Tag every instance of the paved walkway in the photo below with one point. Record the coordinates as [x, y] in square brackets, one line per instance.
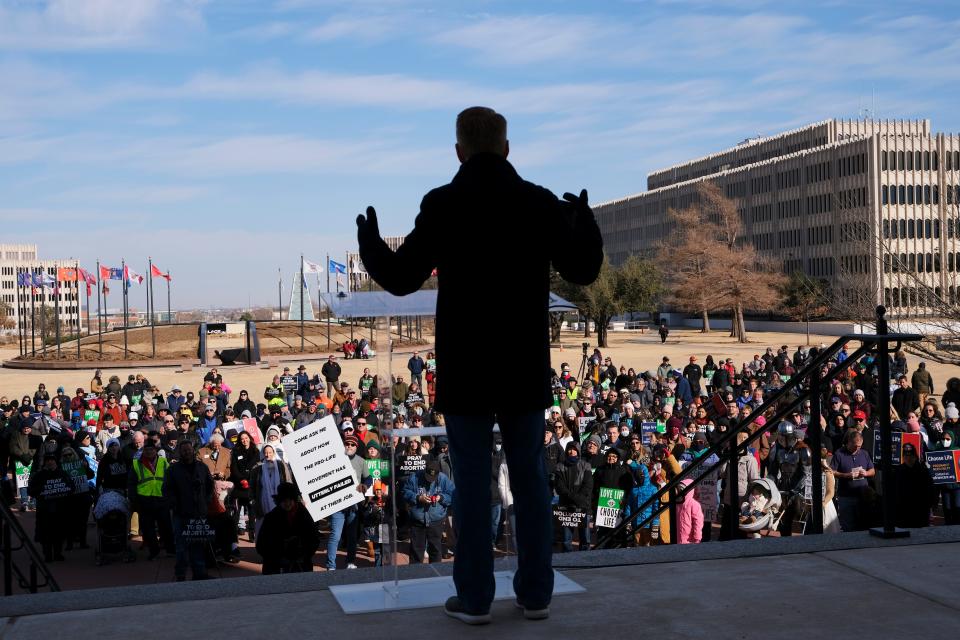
[886, 591]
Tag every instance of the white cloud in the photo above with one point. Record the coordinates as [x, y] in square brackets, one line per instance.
[366, 28]
[533, 39]
[93, 24]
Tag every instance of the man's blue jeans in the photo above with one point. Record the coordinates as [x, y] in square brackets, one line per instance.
[495, 511]
[342, 523]
[471, 447]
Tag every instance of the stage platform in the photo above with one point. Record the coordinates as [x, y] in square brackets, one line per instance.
[848, 585]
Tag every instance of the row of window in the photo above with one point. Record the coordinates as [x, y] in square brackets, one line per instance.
[912, 194]
[852, 165]
[761, 184]
[916, 263]
[918, 296]
[763, 213]
[788, 178]
[855, 264]
[919, 229]
[788, 209]
[820, 235]
[952, 160]
[858, 231]
[822, 266]
[852, 198]
[818, 172]
[820, 204]
[909, 161]
[789, 238]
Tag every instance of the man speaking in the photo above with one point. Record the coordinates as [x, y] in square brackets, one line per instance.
[492, 237]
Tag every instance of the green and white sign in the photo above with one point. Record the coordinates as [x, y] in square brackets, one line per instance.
[23, 475]
[609, 507]
[378, 469]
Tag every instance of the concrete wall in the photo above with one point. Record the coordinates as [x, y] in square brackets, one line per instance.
[818, 328]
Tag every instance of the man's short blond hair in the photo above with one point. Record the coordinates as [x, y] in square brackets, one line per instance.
[481, 129]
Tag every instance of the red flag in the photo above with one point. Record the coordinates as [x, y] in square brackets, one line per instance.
[67, 274]
[88, 289]
[104, 272]
[159, 274]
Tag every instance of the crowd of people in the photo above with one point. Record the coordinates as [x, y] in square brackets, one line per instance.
[195, 471]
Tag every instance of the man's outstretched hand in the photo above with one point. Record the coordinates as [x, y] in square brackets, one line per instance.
[367, 226]
[580, 204]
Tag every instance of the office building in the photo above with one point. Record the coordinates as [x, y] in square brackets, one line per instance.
[870, 206]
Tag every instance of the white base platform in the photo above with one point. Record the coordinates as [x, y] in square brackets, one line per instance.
[423, 593]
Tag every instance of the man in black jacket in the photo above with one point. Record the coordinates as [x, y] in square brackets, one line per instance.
[573, 482]
[476, 232]
[188, 487]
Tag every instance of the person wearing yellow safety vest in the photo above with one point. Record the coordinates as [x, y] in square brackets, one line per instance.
[145, 491]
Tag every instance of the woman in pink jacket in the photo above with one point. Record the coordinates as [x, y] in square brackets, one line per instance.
[689, 518]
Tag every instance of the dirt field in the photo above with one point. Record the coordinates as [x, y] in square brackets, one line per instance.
[641, 351]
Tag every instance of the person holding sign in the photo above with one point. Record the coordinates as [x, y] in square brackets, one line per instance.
[189, 488]
[913, 489]
[429, 493]
[950, 491]
[573, 482]
[52, 488]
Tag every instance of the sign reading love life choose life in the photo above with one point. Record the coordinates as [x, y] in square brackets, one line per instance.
[321, 467]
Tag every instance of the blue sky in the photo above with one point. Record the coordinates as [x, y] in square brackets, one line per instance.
[224, 138]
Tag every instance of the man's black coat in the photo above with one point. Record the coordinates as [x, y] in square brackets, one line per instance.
[492, 237]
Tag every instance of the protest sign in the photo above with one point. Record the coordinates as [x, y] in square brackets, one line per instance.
[608, 507]
[23, 475]
[584, 422]
[378, 469]
[288, 382]
[411, 464]
[77, 472]
[231, 430]
[897, 440]
[944, 466]
[321, 468]
[646, 428]
[197, 530]
[568, 517]
[56, 488]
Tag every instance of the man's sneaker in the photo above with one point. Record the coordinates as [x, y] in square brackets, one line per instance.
[350, 565]
[533, 614]
[454, 609]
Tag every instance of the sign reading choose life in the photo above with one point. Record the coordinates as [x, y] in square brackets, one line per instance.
[321, 467]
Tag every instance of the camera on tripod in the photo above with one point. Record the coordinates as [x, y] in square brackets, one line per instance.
[585, 345]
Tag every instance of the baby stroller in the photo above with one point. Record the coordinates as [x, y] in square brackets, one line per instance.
[112, 513]
[767, 516]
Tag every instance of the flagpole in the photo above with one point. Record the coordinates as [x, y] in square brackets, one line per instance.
[19, 315]
[126, 316]
[87, 289]
[99, 312]
[153, 334]
[56, 305]
[33, 318]
[279, 293]
[76, 282]
[302, 283]
[330, 307]
[169, 316]
[43, 315]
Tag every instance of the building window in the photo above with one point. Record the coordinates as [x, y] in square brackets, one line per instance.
[936, 229]
[909, 161]
[903, 194]
[936, 161]
[928, 228]
[885, 194]
[926, 194]
[926, 161]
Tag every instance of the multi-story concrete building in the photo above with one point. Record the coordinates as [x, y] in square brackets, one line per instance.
[870, 206]
[25, 258]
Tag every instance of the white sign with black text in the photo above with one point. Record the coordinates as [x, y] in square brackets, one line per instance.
[321, 467]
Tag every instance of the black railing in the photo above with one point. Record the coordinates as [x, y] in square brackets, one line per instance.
[783, 401]
[14, 540]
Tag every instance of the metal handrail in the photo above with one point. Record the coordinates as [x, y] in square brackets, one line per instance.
[11, 529]
[725, 447]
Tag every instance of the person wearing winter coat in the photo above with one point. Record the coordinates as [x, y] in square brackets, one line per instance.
[189, 489]
[243, 458]
[75, 466]
[748, 470]
[429, 494]
[288, 538]
[23, 448]
[689, 517]
[244, 403]
[572, 480]
[913, 490]
[113, 470]
[643, 490]
[51, 488]
[265, 478]
[610, 475]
